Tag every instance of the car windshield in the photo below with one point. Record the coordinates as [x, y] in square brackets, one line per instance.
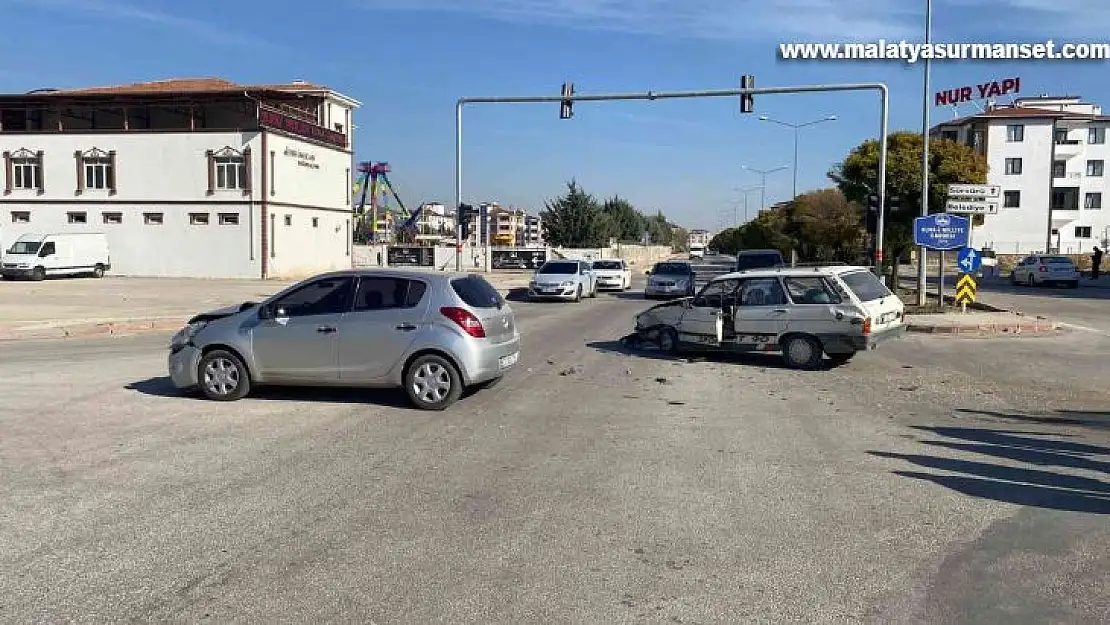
[865, 285]
[758, 261]
[1056, 260]
[607, 264]
[671, 269]
[559, 269]
[25, 247]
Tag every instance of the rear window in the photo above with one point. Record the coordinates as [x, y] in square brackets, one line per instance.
[865, 285]
[477, 293]
[758, 261]
[1056, 260]
[560, 269]
[607, 264]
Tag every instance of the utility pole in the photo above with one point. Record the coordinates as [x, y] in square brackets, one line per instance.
[763, 181]
[922, 278]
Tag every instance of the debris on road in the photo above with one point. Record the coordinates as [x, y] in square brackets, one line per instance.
[573, 370]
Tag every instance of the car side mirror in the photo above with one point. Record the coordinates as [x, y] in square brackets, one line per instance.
[647, 272]
[265, 312]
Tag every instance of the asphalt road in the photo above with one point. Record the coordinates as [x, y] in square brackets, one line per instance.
[939, 480]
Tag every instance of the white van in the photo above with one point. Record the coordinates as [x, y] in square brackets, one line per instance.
[697, 251]
[37, 256]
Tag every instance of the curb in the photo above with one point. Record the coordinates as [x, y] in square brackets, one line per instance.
[116, 328]
[1045, 327]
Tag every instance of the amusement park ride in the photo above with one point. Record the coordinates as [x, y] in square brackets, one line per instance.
[383, 223]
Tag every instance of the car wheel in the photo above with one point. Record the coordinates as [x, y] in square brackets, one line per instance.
[432, 383]
[98, 271]
[1031, 281]
[593, 291]
[1013, 278]
[38, 274]
[802, 352]
[223, 376]
[668, 341]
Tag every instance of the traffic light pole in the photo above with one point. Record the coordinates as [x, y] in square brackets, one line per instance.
[884, 96]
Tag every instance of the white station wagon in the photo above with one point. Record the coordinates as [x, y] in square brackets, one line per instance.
[806, 313]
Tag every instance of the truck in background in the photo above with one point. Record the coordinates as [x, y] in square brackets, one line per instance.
[39, 256]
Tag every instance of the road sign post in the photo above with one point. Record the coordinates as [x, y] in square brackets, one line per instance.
[965, 290]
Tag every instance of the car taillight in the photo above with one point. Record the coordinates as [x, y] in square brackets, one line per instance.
[465, 320]
[867, 326]
[1042, 269]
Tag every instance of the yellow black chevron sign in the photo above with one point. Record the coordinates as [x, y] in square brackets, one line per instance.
[965, 289]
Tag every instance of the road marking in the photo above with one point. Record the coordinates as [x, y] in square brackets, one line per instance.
[1074, 326]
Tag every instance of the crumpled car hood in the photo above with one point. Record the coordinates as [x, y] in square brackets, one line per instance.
[220, 313]
[667, 313]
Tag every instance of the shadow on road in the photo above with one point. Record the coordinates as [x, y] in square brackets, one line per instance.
[1040, 487]
[1065, 417]
[389, 398]
[649, 351]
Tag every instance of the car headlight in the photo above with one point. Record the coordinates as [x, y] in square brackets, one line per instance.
[567, 283]
[187, 333]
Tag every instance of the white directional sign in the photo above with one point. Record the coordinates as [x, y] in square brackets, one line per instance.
[971, 207]
[985, 191]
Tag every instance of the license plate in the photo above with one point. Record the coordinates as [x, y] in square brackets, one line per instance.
[888, 317]
[507, 361]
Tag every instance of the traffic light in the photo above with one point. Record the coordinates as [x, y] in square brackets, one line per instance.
[465, 215]
[871, 217]
[566, 109]
[747, 104]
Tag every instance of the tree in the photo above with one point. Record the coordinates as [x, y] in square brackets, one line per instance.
[574, 220]
[625, 223]
[949, 163]
[824, 225]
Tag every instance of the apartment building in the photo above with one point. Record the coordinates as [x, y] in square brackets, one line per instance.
[1049, 155]
[186, 177]
[529, 232]
[437, 220]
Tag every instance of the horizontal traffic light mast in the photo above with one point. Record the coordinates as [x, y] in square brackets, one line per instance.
[746, 92]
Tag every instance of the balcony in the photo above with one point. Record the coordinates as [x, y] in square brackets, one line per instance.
[1065, 199]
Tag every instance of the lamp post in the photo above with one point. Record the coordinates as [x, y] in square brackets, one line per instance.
[745, 191]
[796, 128]
[763, 181]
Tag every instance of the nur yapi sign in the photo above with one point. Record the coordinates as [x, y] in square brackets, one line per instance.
[270, 118]
[967, 93]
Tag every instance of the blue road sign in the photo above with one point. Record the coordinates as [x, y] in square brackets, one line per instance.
[969, 260]
[941, 231]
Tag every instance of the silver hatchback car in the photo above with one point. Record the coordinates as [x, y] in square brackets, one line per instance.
[432, 334]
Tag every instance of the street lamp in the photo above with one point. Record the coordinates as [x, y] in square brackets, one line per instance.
[745, 191]
[763, 181]
[796, 127]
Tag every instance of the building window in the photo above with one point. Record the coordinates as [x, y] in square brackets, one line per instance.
[21, 217]
[1059, 169]
[1094, 168]
[1092, 201]
[1096, 135]
[96, 169]
[1011, 199]
[1015, 133]
[950, 135]
[1013, 166]
[289, 220]
[1082, 232]
[1060, 136]
[1065, 199]
[315, 222]
[112, 218]
[229, 219]
[152, 219]
[198, 219]
[77, 217]
[229, 170]
[23, 169]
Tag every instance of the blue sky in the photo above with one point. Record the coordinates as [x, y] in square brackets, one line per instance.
[408, 60]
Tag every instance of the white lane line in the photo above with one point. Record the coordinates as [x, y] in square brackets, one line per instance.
[1074, 326]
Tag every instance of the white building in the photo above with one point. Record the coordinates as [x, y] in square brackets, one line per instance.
[187, 177]
[1049, 155]
[436, 219]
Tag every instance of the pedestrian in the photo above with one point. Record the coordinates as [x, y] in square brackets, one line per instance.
[1096, 261]
[379, 259]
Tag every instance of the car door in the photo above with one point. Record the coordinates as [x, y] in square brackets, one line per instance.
[703, 321]
[299, 342]
[49, 257]
[586, 276]
[814, 301]
[388, 314]
[760, 314]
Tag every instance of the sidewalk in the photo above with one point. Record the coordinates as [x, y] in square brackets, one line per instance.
[87, 307]
[977, 323]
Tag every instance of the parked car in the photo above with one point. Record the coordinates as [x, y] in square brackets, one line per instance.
[804, 313]
[1038, 270]
[569, 280]
[670, 279]
[612, 274]
[432, 334]
[39, 256]
[758, 259]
